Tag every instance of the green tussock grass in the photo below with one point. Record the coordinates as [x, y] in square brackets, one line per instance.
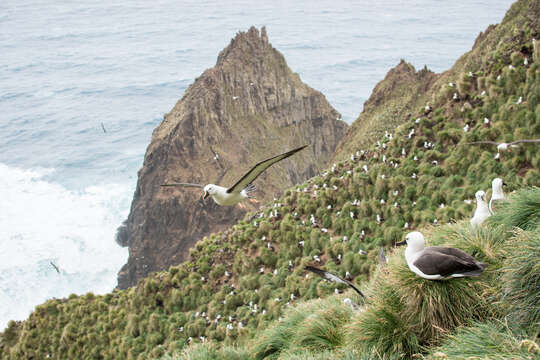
[521, 276]
[340, 354]
[409, 312]
[209, 351]
[523, 213]
[316, 325]
[233, 277]
[490, 340]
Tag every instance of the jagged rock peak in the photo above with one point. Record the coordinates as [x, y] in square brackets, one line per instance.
[246, 108]
[245, 46]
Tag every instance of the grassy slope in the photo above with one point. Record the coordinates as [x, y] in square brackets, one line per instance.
[405, 92]
[406, 315]
[165, 309]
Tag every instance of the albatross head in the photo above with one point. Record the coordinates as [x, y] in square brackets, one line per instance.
[209, 189]
[414, 240]
[480, 196]
[497, 187]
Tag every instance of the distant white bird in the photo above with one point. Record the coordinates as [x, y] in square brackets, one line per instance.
[486, 120]
[437, 262]
[519, 101]
[466, 128]
[503, 146]
[497, 193]
[482, 211]
[240, 190]
[331, 277]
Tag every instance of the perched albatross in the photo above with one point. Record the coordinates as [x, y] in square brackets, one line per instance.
[482, 210]
[331, 277]
[240, 190]
[497, 193]
[437, 262]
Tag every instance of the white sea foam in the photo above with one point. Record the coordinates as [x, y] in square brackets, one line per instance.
[42, 222]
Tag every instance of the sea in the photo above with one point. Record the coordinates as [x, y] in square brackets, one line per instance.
[84, 83]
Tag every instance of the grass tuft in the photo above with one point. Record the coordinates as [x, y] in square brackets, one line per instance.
[209, 351]
[521, 277]
[315, 325]
[490, 340]
[523, 212]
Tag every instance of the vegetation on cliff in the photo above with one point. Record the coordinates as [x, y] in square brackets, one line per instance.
[239, 284]
[246, 108]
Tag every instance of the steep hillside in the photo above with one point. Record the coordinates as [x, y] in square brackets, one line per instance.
[405, 92]
[239, 282]
[246, 108]
[392, 102]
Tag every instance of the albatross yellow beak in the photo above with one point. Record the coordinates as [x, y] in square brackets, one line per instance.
[404, 242]
[205, 195]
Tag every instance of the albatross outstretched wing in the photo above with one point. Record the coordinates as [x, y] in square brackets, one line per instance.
[483, 142]
[259, 168]
[331, 277]
[525, 141]
[184, 185]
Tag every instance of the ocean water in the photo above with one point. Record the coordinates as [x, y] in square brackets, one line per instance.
[67, 67]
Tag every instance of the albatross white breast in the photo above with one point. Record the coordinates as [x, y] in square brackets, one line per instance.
[482, 211]
[437, 262]
[497, 194]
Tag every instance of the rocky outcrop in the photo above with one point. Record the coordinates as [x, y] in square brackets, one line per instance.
[246, 108]
[392, 101]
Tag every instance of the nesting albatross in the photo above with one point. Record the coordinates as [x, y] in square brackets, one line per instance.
[240, 190]
[497, 193]
[437, 262]
[482, 210]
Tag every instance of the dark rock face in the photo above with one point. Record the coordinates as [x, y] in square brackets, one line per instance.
[246, 108]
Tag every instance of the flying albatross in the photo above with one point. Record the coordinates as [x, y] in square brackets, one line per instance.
[240, 190]
[331, 277]
[437, 262]
[505, 146]
[55, 267]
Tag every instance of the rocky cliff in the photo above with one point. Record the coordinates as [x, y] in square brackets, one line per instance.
[249, 106]
[391, 103]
